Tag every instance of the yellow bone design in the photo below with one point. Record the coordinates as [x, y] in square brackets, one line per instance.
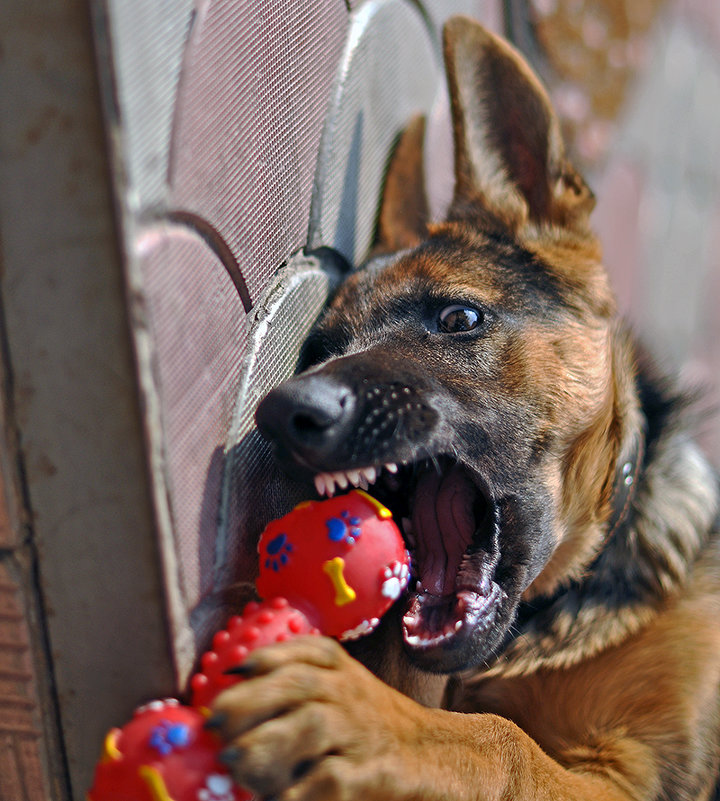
[154, 782]
[382, 511]
[111, 752]
[344, 593]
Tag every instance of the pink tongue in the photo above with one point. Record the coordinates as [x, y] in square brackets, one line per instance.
[443, 526]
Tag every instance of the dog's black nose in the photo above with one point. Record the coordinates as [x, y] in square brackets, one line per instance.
[307, 415]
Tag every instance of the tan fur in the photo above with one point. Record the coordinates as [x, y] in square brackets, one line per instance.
[632, 710]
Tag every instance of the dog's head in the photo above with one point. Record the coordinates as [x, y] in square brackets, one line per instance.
[466, 372]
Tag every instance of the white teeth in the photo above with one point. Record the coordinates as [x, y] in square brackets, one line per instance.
[325, 484]
[408, 620]
[426, 637]
[362, 477]
[391, 467]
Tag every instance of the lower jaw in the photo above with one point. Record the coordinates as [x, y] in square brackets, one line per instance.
[443, 633]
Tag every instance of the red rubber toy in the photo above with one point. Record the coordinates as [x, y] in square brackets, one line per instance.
[333, 566]
[163, 754]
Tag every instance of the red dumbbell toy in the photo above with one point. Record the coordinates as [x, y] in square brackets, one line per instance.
[332, 567]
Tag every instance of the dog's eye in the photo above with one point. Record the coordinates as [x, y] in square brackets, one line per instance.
[458, 318]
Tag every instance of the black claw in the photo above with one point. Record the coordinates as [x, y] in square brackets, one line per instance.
[229, 756]
[246, 669]
[216, 721]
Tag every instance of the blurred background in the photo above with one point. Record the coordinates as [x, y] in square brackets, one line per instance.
[181, 183]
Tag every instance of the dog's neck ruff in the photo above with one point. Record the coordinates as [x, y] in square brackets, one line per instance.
[625, 485]
[659, 523]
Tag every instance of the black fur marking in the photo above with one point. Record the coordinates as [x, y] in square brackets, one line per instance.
[530, 285]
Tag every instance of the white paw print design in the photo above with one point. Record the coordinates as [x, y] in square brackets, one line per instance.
[217, 788]
[396, 577]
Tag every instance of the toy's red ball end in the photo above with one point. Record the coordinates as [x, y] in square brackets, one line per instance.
[342, 561]
[163, 752]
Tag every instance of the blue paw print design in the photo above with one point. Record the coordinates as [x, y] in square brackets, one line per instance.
[344, 528]
[167, 737]
[278, 550]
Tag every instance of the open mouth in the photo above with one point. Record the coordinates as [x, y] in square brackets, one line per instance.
[450, 528]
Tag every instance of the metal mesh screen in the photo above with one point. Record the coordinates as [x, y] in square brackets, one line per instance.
[375, 96]
[245, 131]
[252, 99]
[199, 332]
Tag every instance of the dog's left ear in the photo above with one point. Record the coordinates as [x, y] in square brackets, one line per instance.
[403, 217]
[509, 153]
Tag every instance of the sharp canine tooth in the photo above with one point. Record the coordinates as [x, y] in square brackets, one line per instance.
[354, 477]
[320, 484]
[341, 479]
[370, 474]
[391, 467]
[330, 484]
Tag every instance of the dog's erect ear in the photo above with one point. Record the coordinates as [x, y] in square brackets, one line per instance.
[509, 154]
[403, 218]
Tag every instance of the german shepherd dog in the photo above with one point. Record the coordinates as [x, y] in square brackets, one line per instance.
[561, 635]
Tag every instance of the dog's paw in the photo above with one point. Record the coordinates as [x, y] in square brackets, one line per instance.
[310, 722]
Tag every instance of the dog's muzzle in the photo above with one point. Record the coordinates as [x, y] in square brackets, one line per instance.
[340, 426]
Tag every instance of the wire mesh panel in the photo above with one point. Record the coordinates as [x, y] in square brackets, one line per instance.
[252, 100]
[218, 148]
[375, 96]
[198, 328]
[247, 131]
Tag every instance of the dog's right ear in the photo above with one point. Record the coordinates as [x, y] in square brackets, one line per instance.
[509, 153]
[403, 218]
